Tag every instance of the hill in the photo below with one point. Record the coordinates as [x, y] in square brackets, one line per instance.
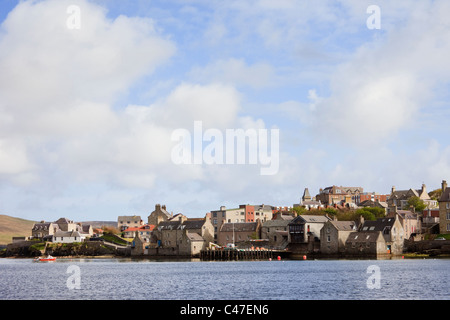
[14, 227]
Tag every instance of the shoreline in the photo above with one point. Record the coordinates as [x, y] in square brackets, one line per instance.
[406, 256]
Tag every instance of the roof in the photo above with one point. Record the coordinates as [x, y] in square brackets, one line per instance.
[60, 233]
[378, 225]
[364, 236]
[406, 214]
[305, 218]
[277, 222]
[63, 221]
[42, 226]
[129, 217]
[404, 194]
[344, 225]
[193, 236]
[188, 224]
[239, 227]
[147, 227]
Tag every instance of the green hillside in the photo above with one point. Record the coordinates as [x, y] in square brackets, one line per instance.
[14, 227]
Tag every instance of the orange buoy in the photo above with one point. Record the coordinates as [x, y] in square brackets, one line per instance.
[304, 257]
[279, 258]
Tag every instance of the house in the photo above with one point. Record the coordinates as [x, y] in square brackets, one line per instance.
[339, 195]
[125, 222]
[236, 233]
[145, 232]
[444, 209]
[410, 220]
[46, 230]
[366, 243]
[67, 236]
[185, 237]
[160, 214]
[390, 243]
[334, 234]
[276, 231]
[245, 213]
[400, 198]
[303, 227]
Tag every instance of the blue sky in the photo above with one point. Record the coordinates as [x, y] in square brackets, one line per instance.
[86, 115]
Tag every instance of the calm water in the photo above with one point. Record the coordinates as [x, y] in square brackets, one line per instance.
[116, 279]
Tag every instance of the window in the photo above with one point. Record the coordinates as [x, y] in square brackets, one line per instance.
[328, 238]
[448, 215]
[447, 205]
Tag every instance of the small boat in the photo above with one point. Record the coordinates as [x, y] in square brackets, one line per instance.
[45, 259]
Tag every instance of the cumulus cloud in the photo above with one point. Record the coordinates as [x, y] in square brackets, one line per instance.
[59, 83]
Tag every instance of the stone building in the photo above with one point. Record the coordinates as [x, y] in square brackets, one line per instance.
[46, 230]
[160, 214]
[444, 209]
[305, 226]
[245, 213]
[276, 231]
[125, 222]
[183, 236]
[235, 233]
[335, 195]
[400, 198]
[334, 234]
[382, 237]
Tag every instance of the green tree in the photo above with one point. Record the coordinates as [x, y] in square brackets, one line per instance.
[417, 204]
[299, 210]
[331, 211]
[365, 213]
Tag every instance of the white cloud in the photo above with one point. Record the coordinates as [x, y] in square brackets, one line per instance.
[236, 72]
[58, 84]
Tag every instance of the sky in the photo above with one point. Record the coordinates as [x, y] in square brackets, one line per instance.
[92, 92]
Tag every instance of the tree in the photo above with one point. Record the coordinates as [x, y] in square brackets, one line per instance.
[331, 211]
[299, 210]
[435, 194]
[416, 203]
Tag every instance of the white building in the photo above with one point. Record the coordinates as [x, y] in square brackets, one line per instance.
[68, 237]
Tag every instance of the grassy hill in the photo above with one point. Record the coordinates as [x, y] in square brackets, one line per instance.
[14, 227]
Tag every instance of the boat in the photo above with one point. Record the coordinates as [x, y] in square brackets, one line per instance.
[45, 259]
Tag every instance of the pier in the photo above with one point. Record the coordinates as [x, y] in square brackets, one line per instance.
[236, 254]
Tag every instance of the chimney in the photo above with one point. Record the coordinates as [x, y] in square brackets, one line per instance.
[393, 189]
[444, 185]
[164, 207]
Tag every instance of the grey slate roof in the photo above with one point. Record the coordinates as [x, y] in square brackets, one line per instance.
[239, 227]
[378, 225]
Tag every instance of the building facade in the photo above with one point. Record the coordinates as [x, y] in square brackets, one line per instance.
[125, 222]
[304, 226]
[245, 213]
[334, 234]
[444, 209]
[276, 231]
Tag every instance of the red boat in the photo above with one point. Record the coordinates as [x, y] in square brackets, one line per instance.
[46, 259]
